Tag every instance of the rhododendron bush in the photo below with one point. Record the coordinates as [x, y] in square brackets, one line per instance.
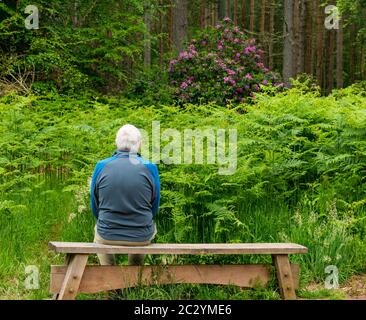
[221, 64]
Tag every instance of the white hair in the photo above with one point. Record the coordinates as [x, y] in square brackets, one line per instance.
[128, 138]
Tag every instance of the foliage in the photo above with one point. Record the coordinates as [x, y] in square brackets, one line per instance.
[220, 64]
[300, 175]
[79, 46]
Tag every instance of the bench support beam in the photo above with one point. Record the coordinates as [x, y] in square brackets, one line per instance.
[284, 276]
[74, 273]
[103, 278]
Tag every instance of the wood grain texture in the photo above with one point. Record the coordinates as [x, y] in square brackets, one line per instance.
[284, 275]
[173, 248]
[104, 278]
[73, 275]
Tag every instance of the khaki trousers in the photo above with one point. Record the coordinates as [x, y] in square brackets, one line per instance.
[110, 259]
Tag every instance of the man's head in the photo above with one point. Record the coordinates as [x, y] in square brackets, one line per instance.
[128, 138]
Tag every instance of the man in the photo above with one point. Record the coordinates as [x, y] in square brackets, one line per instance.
[125, 197]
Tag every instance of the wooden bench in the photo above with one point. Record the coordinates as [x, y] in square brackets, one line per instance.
[78, 277]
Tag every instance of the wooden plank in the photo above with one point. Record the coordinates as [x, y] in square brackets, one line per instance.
[173, 248]
[104, 278]
[284, 276]
[72, 277]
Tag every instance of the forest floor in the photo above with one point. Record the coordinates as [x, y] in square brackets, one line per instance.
[353, 289]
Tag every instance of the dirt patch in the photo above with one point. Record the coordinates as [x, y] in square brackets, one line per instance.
[355, 288]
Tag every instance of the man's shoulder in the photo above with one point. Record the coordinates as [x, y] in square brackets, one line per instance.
[147, 163]
[101, 163]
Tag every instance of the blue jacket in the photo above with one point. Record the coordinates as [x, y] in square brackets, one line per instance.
[125, 197]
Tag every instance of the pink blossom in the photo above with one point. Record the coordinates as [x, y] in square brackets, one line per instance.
[248, 76]
[238, 55]
[230, 72]
[256, 87]
[227, 19]
[184, 85]
[265, 82]
[220, 47]
[226, 79]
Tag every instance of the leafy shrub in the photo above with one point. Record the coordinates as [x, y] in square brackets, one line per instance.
[221, 64]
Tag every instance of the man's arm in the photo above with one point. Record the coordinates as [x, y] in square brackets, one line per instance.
[156, 179]
[94, 201]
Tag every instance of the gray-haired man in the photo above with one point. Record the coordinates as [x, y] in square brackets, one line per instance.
[125, 197]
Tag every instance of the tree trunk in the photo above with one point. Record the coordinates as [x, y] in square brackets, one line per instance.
[263, 18]
[236, 12]
[271, 34]
[288, 41]
[228, 8]
[301, 37]
[180, 23]
[340, 55]
[203, 14]
[221, 6]
[309, 38]
[147, 36]
[319, 42]
[331, 61]
[252, 15]
[243, 13]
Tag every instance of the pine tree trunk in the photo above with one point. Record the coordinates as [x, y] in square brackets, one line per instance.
[221, 6]
[288, 41]
[180, 23]
[236, 12]
[252, 15]
[340, 55]
[319, 42]
[147, 36]
[243, 13]
[263, 18]
[331, 61]
[308, 68]
[271, 34]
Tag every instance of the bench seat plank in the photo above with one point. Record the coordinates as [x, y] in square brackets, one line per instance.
[176, 248]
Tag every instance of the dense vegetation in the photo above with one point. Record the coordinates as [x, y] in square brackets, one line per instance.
[300, 177]
[92, 66]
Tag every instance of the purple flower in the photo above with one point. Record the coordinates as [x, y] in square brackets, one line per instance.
[220, 47]
[250, 49]
[256, 87]
[184, 85]
[227, 19]
[236, 29]
[248, 76]
[240, 90]
[265, 82]
[238, 55]
[230, 72]
[226, 79]
[218, 26]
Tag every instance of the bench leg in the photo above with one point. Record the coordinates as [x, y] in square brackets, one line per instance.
[74, 273]
[284, 276]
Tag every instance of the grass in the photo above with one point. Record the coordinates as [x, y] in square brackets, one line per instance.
[50, 213]
[300, 178]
